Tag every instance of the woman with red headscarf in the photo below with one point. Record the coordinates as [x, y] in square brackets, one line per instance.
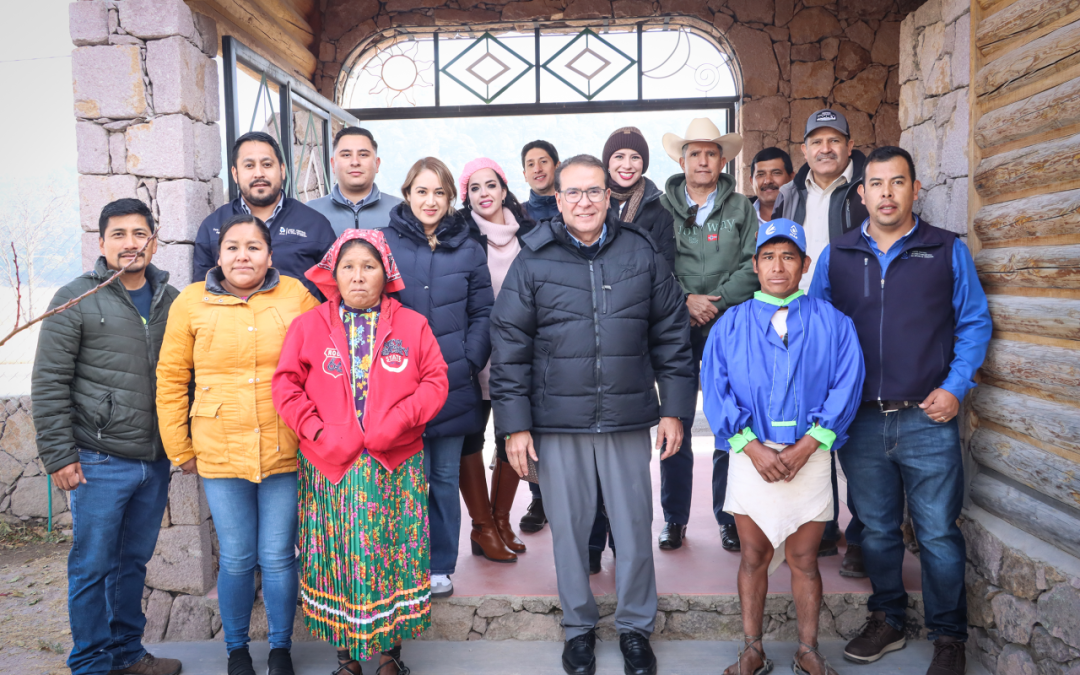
[359, 378]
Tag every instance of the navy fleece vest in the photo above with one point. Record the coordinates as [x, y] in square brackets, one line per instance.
[905, 321]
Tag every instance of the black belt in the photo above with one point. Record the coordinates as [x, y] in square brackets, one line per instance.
[892, 406]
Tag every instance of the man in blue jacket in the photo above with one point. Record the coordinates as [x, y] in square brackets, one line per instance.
[300, 235]
[923, 323]
[355, 202]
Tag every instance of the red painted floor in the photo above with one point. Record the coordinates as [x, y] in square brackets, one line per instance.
[700, 567]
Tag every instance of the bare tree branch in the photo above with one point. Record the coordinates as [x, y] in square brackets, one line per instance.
[74, 301]
[18, 286]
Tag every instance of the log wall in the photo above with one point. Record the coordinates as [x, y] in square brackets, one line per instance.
[1025, 231]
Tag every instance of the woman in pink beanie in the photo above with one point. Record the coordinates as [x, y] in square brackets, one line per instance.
[497, 221]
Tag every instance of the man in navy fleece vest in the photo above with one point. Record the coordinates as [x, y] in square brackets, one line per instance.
[300, 235]
[924, 326]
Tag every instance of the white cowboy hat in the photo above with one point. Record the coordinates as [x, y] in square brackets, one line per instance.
[704, 131]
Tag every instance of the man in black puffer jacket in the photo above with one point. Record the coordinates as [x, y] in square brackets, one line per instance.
[589, 324]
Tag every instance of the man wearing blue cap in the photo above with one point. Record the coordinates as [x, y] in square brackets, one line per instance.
[782, 379]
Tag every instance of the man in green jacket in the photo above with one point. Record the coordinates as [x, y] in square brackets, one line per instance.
[93, 394]
[715, 235]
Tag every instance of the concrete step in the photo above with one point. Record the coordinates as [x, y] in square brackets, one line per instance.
[511, 657]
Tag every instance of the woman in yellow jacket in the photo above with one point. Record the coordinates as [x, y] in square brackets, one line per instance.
[229, 331]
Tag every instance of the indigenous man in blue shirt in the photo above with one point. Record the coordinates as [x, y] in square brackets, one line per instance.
[924, 326]
[781, 380]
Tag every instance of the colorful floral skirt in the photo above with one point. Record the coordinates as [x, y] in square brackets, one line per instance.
[364, 555]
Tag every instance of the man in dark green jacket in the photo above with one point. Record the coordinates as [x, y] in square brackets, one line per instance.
[715, 235]
[93, 393]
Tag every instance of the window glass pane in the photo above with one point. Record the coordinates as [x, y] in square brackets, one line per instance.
[397, 74]
[487, 68]
[682, 64]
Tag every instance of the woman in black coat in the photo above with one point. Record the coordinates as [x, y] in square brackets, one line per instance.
[447, 280]
[635, 198]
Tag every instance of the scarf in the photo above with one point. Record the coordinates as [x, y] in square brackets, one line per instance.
[322, 273]
[633, 195]
[503, 246]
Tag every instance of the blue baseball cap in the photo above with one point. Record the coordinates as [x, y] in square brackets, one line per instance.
[782, 227]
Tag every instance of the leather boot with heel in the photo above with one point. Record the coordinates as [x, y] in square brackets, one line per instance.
[504, 485]
[485, 537]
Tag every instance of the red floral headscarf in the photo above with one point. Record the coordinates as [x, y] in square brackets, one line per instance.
[322, 273]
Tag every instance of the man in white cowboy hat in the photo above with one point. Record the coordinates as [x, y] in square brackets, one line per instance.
[715, 233]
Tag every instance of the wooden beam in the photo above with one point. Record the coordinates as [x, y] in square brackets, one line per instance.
[1038, 167]
[1034, 266]
[1048, 215]
[270, 35]
[296, 24]
[1047, 111]
[1048, 317]
[1018, 22]
[1052, 369]
[1049, 422]
[1053, 476]
[1058, 527]
[1053, 52]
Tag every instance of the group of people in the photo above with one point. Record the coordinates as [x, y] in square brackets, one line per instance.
[332, 370]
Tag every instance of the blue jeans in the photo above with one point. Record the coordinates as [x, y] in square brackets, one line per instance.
[115, 517]
[886, 455]
[256, 525]
[442, 466]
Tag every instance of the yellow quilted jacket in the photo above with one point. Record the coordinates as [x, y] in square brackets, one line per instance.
[233, 347]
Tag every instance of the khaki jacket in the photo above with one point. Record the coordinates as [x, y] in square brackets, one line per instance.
[233, 347]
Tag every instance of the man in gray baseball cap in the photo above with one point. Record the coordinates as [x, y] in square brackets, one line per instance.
[824, 199]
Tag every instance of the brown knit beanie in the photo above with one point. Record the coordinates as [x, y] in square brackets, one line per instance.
[627, 137]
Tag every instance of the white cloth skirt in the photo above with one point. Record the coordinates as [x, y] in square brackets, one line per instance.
[779, 509]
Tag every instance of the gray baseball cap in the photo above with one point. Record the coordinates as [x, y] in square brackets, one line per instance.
[827, 118]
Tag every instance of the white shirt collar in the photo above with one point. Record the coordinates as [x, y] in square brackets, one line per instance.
[842, 179]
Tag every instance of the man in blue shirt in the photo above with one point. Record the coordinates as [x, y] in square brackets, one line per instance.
[924, 325]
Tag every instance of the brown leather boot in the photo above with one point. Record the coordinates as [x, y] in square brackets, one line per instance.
[504, 484]
[485, 536]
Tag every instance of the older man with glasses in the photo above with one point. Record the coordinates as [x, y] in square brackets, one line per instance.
[589, 324]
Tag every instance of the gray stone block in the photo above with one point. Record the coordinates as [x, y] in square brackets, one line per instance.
[187, 501]
[207, 139]
[158, 609]
[526, 626]
[88, 23]
[190, 619]
[1014, 617]
[18, 438]
[1015, 660]
[92, 142]
[182, 561]
[108, 82]
[97, 191]
[31, 498]
[183, 204]
[152, 19]
[10, 469]
[176, 259]
[117, 153]
[449, 621]
[164, 147]
[177, 70]
[1059, 613]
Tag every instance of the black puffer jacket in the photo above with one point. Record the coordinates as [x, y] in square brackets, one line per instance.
[451, 286]
[656, 221]
[580, 345]
[94, 383]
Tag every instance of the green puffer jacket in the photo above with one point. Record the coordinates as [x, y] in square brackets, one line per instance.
[93, 385]
[716, 258]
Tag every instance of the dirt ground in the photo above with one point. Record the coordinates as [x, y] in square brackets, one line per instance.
[34, 635]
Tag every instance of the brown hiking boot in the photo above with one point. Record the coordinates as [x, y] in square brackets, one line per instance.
[852, 565]
[150, 665]
[876, 639]
[949, 657]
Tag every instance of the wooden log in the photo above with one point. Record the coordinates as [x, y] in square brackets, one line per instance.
[272, 37]
[1031, 266]
[1049, 215]
[1048, 317]
[1019, 20]
[1056, 424]
[1052, 109]
[1038, 166]
[1052, 370]
[288, 17]
[1053, 476]
[1051, 53]
[1056, 526]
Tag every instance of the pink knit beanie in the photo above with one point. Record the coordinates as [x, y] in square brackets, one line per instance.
[471, 168]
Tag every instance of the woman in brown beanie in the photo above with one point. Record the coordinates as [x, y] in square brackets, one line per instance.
[633, 196]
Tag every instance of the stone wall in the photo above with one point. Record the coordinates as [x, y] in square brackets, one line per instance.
[935, 47]
[1023, 600]
[146, 107]
[24, 487]
[796, 56]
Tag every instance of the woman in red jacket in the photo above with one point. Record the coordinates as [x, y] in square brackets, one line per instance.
[359, 378]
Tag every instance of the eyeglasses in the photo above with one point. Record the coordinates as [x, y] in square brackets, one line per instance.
[573, 195]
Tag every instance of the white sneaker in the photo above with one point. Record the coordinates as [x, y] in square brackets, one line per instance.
[441, 586]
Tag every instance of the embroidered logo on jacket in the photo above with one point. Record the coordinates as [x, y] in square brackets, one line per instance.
[332, 364]
[917, 254]
[394, 356]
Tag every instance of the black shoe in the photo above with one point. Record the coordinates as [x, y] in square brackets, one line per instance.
[638, 657]
[827, 548]
[949, 657]
[534, 519]
[280, 662]
[578, 655]
[876, 639]
[240, 662]
[729, 537]
[671, 536]
[594, 561]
